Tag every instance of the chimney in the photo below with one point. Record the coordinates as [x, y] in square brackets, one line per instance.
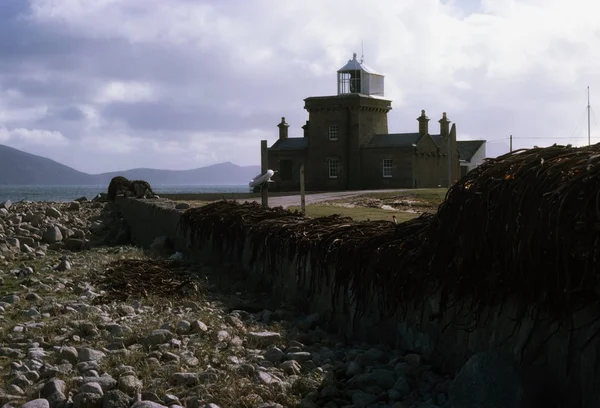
[444, 126]
[305, 129]
[283, 129]
[423, 125]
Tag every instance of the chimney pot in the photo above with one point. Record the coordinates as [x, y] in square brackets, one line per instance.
[444, 125]
[283, 129]
[423, 123]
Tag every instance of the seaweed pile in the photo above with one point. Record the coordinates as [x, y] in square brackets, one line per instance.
[333, 240]
[141, 278]
[524, 224]
[527, 224]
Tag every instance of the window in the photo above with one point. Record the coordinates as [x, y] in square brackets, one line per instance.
[387, 167]
[333, 132]
[334, 165]
[285, 170]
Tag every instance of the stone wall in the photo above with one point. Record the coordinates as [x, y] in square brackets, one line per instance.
[558, 360]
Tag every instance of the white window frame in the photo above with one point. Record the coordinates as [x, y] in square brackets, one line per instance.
[387, 168]
[333, 132]
[333, 164]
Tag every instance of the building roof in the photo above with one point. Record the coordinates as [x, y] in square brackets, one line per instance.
[356, 65]
[394, 140]
[291, 143]
[468, 148]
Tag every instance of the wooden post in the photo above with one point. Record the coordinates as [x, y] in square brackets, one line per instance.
[511, 143]
[264, 166]
[302, 192]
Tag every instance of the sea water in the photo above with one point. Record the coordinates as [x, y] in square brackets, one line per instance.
[70, 193]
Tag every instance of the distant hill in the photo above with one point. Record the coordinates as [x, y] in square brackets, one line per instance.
[20, 168]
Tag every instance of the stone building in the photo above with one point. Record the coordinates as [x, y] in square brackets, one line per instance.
[346, 144]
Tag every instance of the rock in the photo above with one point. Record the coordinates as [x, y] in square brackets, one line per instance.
[299, 356]
[6, 205]
[116, 399]
[53, 212]
[88, 354]
[274, 354]
[52, 235]
[198, 327]
[184, 378]
[488, 380]
[37, 403]
[264, 338]
[159, 336]
[87, 400]
[363, 399]
[107, 383]
[182, 206]
[74, 205]
[130, 385]
[147, 404]
[290, 367]
[91, 388]
[183, 327]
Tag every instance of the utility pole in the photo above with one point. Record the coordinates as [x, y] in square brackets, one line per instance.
[449, 161]
[511, 143]
[588, 112]
[264, 166]
[302, 192]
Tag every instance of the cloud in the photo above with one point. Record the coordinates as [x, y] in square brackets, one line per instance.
[39, 137]
[149, 83]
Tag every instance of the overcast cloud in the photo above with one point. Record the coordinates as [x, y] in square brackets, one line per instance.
[105, 85]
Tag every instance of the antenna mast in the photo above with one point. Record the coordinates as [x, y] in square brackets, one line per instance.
[362, 51]
[588, 112]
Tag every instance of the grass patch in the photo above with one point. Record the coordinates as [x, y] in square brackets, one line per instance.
[357, 213]
[427, 197]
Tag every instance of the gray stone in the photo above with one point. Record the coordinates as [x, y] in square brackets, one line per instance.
[159, 336]
[37, 403]
[53, 212]
[183, 327]
[91, 388]
[489, 380]
[52, 235]
[147, 404]
[107, 383]
[265, 338]
[130, 385]
[274, 354]
[290, 367]
[87, 400]
[363, 399]
[184, 378]
[299, 356]
[115, 399]
[52, 386]
[69, 353]
[88, 354]
[199, 327]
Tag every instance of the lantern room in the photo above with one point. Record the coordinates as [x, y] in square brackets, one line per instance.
[356, 77]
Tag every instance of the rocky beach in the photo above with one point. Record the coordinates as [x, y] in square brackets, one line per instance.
[88, 320]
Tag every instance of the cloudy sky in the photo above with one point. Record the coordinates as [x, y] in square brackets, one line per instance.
[106, 85]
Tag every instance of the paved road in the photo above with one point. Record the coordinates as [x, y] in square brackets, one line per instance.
[291, 200]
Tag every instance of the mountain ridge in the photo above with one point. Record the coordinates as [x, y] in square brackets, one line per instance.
[21, 168]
